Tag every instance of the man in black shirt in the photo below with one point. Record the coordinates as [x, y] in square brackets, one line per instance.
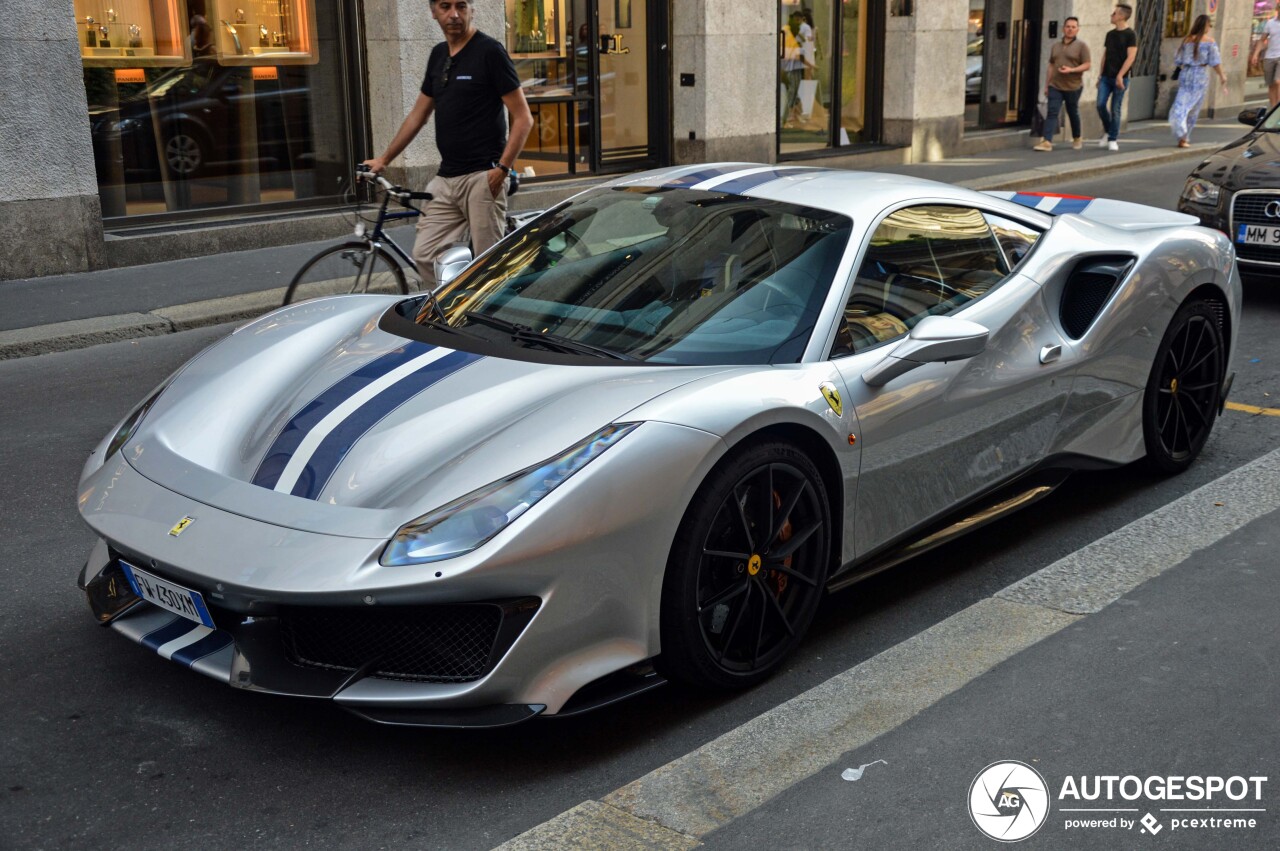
[469, 80]
[1121, 49]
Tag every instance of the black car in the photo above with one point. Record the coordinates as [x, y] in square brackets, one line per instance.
[207, 118]
[1237, 190]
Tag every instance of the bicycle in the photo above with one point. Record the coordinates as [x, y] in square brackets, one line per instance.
[372, 262]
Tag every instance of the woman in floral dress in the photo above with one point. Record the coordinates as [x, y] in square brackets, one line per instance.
[1198, 53]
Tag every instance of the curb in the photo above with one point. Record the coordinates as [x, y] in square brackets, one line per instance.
[81, 333]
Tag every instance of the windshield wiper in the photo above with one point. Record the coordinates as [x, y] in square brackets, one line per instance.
[525, 334]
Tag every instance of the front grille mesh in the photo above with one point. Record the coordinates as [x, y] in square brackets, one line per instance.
[432, 644]
[1248, 209]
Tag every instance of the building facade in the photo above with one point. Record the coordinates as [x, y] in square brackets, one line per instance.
[152, 129]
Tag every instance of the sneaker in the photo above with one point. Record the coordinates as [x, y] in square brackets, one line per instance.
[1113, 146]
[1077, 144]
[1045, 145]
[1102, 143]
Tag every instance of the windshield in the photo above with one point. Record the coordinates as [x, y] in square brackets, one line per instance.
[658, 275]
[1272, 122]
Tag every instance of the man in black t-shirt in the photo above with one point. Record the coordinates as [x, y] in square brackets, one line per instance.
[470, 79]
[1121, 49]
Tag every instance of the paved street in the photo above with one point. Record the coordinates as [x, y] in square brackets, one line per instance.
[107, 746]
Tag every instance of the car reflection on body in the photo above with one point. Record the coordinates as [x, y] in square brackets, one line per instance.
[207, 118]
[1236, 190]
[643, 435]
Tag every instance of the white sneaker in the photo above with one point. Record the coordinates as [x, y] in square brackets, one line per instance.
[1102, 143]
[1113, 146]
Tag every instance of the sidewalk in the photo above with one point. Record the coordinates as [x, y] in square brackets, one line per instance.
[72, 311]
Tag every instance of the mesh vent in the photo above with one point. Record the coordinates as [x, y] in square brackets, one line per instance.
[1087, 290]
[434, 644]
[1248, 210]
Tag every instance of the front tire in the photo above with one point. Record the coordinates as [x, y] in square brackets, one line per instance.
[747, 569]
[1183, 395]
[347, 268]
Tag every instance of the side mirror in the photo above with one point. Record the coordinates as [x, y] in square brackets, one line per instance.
[1252, 117]
[451, 262]
[936, 339]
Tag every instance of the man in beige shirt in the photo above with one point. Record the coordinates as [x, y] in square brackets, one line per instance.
[1068, 60]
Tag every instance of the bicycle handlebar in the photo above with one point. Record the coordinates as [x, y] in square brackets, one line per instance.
[398, 192]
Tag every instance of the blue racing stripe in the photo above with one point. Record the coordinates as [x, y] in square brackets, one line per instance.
[211, 643]
[291, 436]
[1070, 205]
[742, 184]
[1026, 200]
[175, 628]
[335, 446]
[698, 176]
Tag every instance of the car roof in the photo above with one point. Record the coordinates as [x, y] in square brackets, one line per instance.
[860, 195]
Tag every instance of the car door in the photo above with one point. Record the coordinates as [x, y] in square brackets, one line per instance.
[943, 433]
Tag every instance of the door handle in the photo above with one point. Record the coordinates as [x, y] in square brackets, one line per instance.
[1050, 353]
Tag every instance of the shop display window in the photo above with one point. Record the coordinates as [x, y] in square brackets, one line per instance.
[132, 33]
[264, 32]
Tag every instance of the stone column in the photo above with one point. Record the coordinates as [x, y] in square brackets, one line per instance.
[730, 111]
[924, 77]
[49, 208]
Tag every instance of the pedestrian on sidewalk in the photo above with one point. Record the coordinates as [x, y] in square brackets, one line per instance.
[1068, 60]
[469, 83]
[1271, 57]
[1198, 53]
[1120, 49]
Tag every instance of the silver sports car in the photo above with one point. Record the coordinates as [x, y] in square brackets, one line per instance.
[640, 438]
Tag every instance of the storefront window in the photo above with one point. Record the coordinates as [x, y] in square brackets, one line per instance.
[197, 105]
[822, 49]
[1254, 82]
[1177, 18]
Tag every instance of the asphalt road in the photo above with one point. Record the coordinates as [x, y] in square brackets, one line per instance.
[108, 746]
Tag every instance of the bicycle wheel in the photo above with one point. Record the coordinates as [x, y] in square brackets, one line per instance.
[353, 267]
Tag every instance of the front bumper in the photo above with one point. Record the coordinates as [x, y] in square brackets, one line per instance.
[574, 587]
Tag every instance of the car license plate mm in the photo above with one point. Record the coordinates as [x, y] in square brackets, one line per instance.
[1258, 235]
[168, 595]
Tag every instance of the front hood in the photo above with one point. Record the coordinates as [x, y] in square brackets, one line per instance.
[314, 418]
[1249, 163]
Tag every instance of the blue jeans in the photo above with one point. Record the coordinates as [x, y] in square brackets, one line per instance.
[1057, 98]
[1110, 119]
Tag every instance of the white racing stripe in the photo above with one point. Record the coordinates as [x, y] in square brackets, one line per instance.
[316, 436]
[1047, 204]
[198, 631]
[734, 175]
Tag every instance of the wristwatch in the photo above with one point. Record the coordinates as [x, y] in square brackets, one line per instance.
[513, 177]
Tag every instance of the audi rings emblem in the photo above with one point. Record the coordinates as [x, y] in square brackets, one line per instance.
[1272, 210]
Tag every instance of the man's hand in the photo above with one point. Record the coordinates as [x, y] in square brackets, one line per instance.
[497, 177]
[377, 165]
[1120, 83]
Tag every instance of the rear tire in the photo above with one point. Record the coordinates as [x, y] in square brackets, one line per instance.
[347, 268]
[1183, 395]
[747, 569]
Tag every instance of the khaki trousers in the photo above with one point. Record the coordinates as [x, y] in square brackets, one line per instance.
[456, 203]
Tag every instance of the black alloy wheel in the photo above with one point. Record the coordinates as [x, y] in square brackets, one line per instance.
[185, 153]
[747, 569]
[1183, 395]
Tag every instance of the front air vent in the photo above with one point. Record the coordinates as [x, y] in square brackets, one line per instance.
[1088, 287]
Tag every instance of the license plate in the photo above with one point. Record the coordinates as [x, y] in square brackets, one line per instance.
[1258, 235]
[168, 595]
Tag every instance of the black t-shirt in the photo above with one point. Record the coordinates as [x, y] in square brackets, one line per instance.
[471, 127]
[1117, 50]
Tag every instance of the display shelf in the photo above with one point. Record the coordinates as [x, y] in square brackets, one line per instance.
[133, 33]
[264, 32]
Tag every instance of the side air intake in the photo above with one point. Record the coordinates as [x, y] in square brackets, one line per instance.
[1090, 284]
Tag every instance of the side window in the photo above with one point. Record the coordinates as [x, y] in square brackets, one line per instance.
[1015, 238]
[922, 261]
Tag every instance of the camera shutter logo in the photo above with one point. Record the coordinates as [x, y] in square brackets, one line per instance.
[1272, 210]
[1008, 801]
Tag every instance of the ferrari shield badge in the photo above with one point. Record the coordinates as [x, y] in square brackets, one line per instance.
[181, 525]
[832, 396]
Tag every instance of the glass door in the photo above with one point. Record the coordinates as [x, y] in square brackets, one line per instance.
[625, 84]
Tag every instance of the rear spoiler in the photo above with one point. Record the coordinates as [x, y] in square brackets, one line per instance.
[1116, 214]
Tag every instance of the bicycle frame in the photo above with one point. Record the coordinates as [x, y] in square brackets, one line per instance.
[378, 236]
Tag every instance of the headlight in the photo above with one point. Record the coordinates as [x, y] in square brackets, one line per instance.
[467, 522]
[130, 425]
[1199, 191]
